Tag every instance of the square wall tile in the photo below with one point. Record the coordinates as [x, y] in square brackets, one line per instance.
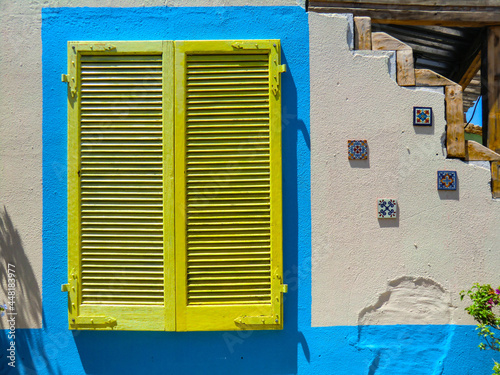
[387, 208]
[447, 180]
[357, 149]
[422, 116]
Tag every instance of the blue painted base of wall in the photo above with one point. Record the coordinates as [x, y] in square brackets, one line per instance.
[380, 350]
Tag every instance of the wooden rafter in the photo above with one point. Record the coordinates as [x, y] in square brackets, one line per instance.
[491, 106]
[461, 13]
[363, 33]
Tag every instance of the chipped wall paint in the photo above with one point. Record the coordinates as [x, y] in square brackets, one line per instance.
[344, 347]
[409, 300]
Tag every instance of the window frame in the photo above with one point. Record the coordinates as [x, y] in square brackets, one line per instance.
[171, 317]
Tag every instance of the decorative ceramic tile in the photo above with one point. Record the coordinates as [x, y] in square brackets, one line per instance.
[387, 208]
[357, 149]
[422, 116]
[447, 180]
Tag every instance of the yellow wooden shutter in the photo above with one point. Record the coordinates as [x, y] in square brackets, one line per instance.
[228, 185]
[120, 222]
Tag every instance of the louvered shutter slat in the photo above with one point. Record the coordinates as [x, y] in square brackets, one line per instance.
[112, 228]
[109, 226]
[119, 132]
[226, 266]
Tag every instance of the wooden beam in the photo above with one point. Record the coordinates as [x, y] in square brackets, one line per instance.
[462, 13]
[469, 63]
[426, 77]
[363, 33]
[404, 63]
[404, 56]
[455, 138]
[476, 151]
[385, 42]
[471, 71]
[495, 179]
[415, 3]
[493, 88]
[491, 119]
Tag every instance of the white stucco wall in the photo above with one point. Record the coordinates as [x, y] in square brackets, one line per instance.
[410, 269]
[21, 137]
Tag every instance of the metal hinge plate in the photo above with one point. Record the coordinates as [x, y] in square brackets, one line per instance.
[71, 80]
[275, 83]
[256, 320]
[94, 322]
[71, 287]
[247, 45]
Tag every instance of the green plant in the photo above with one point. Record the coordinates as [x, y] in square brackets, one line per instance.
[485, 310]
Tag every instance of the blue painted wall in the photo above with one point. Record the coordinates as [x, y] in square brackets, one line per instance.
[298, 349]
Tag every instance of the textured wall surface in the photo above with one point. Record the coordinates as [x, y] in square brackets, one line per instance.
[21, 155]
[450, 238]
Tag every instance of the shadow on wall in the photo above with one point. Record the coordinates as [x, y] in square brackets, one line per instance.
[26, 308]
[14, 258]
[233, 352]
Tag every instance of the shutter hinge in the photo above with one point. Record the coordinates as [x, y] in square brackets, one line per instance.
[276, 81]
[256, 320]
[83, 321]
[245, 45]
[283, 288]
[71, 287]
[101, 47]
[99, 321]
[71, 80]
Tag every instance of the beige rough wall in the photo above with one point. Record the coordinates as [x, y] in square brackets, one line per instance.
[21, 138]
[410, 269]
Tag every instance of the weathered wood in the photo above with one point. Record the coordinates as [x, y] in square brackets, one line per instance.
[491, 101]
[474, 129]
[462, 13]
[471, 71]
[363, 33]
[404, 56]
[495, 179]
[484, 88]
[426, 77]
[455, 139]
[493, 88]
[476, 151]
[405, 71]
[385, 42]
[419, 3]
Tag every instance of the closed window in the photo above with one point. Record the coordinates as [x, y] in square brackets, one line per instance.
[174, 185]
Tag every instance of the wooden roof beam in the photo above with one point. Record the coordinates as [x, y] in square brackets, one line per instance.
[491, 101]
[461, 13]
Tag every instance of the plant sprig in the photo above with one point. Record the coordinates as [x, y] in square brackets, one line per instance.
[485, 309]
